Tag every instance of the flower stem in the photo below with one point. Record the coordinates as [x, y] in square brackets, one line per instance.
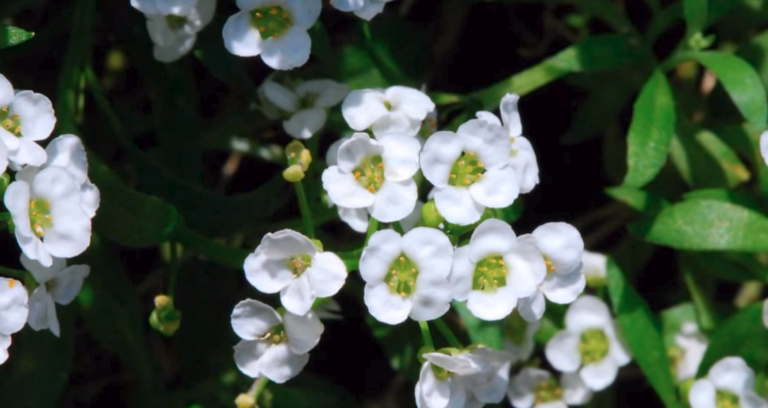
[258, 387]
[373, 226]
[14, 273]
[448, 334]
[427, 335]
[174, 270]
[398, 227]
[306, 214]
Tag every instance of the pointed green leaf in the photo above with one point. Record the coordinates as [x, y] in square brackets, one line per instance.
[742, 335]
[10, 36]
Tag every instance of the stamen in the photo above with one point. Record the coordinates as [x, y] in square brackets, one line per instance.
[11, 283]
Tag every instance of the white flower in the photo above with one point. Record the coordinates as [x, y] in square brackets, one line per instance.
[13, 312]
[273, 346]
[397, 109]
[365, 9]
[518, 337]
[595, 268]
[765, 313]
[469, 171]
[274, 29]
[48, 215]
[59, 284]
[534, 387]
[173, 24]
[562, 247]
[589, 344]
[376, 175]
[763, 146]
[495, 270]
[729, 383]
[68, 152]
[290, 263]
[692, 346]
[25, 118]
[306, 104]
[407, 275]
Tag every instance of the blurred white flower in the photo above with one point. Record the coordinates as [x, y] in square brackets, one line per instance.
[692, 345]
[495, 270]
[365, 9]
[288, 262]
[306, 105]
[518, 336]
[595, 268]
[534, 387]
[589, 344]
[273, 346]
[26, 117]
[173, 24]
[274, 29]
[763, 145]
[13, 312]
[729, 383]
[58, 284]
[395, 110]
[469, 171]
[407, 275]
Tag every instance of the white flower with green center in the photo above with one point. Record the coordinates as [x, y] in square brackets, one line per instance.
[562, 247]
[534, 387]
[595, 269]
[173, 24]
[589, 344]
[469, 171]
[518, 336]
[395, 110]
[274, 29]
[290, 263]
[273, 346]
[376, 175]
[58, 284]
[306, 105]
[365, 9]
[407, 276]
[689, 351]
[13, 312]
[730, 383]
[26, 117]
[48, 215]
[495, 270]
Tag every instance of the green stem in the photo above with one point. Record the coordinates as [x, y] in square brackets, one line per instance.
[700, 301]
[373, 226]
[306, 214]
[261, 384]
[174, 270]
[14, 273]
[427, 335]
[398, 227]
[448, 334]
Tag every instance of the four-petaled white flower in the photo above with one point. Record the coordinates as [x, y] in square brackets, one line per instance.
[365, 9]
[274, 29]
[376, 175]
[589, 344]
[273, 346]
[25, 118]
[173, 24]
[469, 171]
[562, 247]
[306, 104]
[691, 345]
[407, 275]
[13, 312]
[595, 268]
[534, 387]
[729, 383]
[397, 109]
[58, 284]
[290, 263]
[495, 270]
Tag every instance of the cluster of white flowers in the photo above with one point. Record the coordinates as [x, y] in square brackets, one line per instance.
[729, 383]
[14, 311]
[173, 24]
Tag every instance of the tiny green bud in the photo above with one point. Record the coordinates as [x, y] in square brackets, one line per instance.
[293, 174]
[163, 302]
[164, 318]
[116, 60]
[430, 217]
[245, 401]
[305, 158]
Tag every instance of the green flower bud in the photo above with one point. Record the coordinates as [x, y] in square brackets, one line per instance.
[165, 319]
[430, 217]
[296, 153]
[245, 401]
[293, 174]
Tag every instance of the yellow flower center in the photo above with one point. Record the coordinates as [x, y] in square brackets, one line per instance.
[466, 170]
[547, 391]
[297, 264]
[11, 123]
[275, 335]
[490, 274]
[271, 21]
[593, 346]
[40, 216]
[370, 173]
[724, 399]
[402, 275]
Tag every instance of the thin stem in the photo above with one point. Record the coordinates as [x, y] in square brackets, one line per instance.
[14, 273]
[447, 333]
[427, 335]
[373, 226]
[259, 386]
[398, 227]
[306, 214]
[174, 271]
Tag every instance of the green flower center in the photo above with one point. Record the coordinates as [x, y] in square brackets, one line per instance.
[440, 373]
[11, 123]
[175, 22]
[402, 275]
[547, 391]
[724, 399]
[465, 171]
[515, 328]
[593, 346]
[40, 216]
[276, 335]
[370, 173]
[489, 274]
[297, 264]
[271, 21]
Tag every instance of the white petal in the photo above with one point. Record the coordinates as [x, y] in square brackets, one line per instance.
[562, 351]
[618, 351]
[42, 273]
[303, 331]
[587, 312]
[160, 32]
[395, 123]
[240, 37]
[598, 376]
[327, 92]
[174, 51]
[344, 190]
[436, 393]
[10, 140]
[6, 92]
[67, 151]
[370, 10]
[348, 5]
[764, 146]
[36, 115]
[461, 274]
[488, 117]
[384, 305]
[248, 5]
[594, 264]
[441, 150]
[492, 305]
[247, 355]
[562, 244]
[327, 274]
[563, 289]
[510, 114]
[400, 157]
[496, 188]
[456, 204]
[39, 308]
[252, 319]
[359, 147]
[175, 7]
[702, 394]
[297, 297]
[765, 313]
[281, 96]
[414, 103]
[532, 308]
[305, 123]
[206, 10]
[732, 374]
[332, 155]
[14, 308]
[53, 320]
[3, 157]
[268, 276]
[5, 343]
[489, 142]
[575, 392]
[70, 233]
[280, 364]
[289, 50]
[363, 107]
[68, 283]
[491, 238]
[383, 248]
[304, 13]
[432, 296]
[28, 152]
[522, 159]
[90, 198]
[751, 400]
[460, 364]
[394, 200]
[520, 392]
[525, 268]
[430, 249]
[286, 243]
[412, 220]
[356, 218]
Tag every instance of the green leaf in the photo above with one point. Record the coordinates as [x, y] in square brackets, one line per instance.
[672, 320]
[307, 391]
[704, 160]
[481, 331]
[702, 225]
[653, 124]
[10, 36]
[742, 84]
[735, 197]
[222, 64]
[695, 12]
[643, 335]
[742, 335]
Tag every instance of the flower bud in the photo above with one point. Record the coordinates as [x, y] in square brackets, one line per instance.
[293, 174]
[430, 217]
[298, 154]
[165, 318]
[245, 401]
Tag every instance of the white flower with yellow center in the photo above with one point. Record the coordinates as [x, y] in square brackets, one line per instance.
[469, 171]
[689, 351]
[730, 383]
[537, 388]
[407, 275]
[13, 312]
[305, 105]
[274, 29]
[273, 346]
[173, 24]
[365, 9]
[26, 117]
[589, 344]
[562, 247]
[397, 109]
[290, 263]
[58, 284]
[495, 270]
[376, 175]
